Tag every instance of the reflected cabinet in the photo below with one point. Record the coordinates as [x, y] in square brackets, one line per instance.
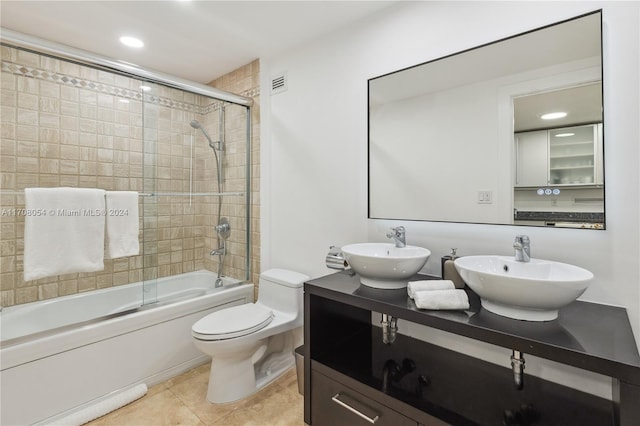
[568, 156]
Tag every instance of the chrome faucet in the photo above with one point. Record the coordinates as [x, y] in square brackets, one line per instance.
[522, 246]
[398, 235]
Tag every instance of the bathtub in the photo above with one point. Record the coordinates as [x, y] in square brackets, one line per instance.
[58, 356]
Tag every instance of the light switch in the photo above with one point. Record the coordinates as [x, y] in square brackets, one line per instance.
[485, 197]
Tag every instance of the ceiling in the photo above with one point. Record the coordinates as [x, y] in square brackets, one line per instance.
[195, 40]
[583, 104]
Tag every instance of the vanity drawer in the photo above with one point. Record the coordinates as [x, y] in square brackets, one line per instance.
[333, 404]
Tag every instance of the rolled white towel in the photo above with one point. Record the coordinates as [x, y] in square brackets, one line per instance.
[424, 285]
[441, 299]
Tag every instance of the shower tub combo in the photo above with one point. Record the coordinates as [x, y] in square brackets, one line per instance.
[68, 355]
[57, 359]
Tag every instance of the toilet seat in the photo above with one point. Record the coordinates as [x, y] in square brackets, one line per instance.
[233, 322]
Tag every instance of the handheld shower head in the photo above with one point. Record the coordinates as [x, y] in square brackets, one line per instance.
[196, 125]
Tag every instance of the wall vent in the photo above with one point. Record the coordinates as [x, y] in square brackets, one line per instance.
[279, 83]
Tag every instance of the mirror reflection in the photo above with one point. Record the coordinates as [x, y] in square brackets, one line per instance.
[469, 138]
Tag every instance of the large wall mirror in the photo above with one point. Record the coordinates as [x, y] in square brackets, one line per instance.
[507, 133]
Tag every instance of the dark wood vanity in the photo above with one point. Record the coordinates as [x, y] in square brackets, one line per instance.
[353, 378]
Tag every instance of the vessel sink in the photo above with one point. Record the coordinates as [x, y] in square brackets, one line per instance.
[530, 291]
[385, 266]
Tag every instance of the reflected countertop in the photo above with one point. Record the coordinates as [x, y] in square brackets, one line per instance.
[560, 216]
[586, 335]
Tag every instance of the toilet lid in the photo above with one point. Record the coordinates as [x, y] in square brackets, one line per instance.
[233, 322]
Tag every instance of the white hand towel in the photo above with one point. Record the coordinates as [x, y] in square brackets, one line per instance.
[441, 299]
[63, 231]
[122, 224]
[423, 285]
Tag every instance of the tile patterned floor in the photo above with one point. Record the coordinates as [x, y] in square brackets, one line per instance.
[182, 401]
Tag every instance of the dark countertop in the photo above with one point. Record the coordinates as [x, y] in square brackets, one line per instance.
[586, 335]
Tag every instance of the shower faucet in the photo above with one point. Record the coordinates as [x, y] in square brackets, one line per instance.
[223, 227]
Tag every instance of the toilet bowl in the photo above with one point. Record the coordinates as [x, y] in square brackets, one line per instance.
[251, 345]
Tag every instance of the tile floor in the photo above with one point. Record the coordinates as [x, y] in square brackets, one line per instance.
[182, 401]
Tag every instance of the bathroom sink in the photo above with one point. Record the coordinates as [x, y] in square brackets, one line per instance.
[530, 291]
[383, 265]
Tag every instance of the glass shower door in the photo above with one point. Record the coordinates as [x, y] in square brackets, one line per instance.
[150, 112]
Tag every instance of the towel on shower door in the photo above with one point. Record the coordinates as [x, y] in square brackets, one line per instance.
[122, 224]
[63, 231]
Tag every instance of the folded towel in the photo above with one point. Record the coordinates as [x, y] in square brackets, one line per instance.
[441, 299]
[64, 232]
[122, 224]
[414, 286]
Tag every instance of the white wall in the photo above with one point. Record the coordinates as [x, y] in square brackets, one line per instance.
[409, 139]
[314, 142]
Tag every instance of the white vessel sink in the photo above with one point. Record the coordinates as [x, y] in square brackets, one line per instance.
[531, 291]
[383, 265]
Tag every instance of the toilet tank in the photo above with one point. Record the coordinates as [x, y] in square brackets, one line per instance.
[282, 290]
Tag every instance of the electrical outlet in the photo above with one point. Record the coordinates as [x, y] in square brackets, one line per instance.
[485, 197]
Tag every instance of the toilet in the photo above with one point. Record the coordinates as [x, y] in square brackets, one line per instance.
[251, 345]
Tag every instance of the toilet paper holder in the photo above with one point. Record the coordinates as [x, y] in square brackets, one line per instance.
[335, 259]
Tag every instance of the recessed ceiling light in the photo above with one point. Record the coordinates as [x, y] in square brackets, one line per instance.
[564, 135]
[124, 101]
[553, 115]
[145, 88]
[131, 41]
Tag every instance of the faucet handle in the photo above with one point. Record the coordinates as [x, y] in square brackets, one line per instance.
[398, 234]
[398, 229]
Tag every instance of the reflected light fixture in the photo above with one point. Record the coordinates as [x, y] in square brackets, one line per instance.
[131, 41]
[564, 135]
[553, 115]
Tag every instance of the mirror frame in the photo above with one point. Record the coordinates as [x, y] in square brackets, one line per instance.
[475, 48]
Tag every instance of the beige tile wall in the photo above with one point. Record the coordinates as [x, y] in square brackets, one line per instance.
[65, 125]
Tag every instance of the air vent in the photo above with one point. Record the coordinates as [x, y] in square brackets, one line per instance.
[279, 83]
